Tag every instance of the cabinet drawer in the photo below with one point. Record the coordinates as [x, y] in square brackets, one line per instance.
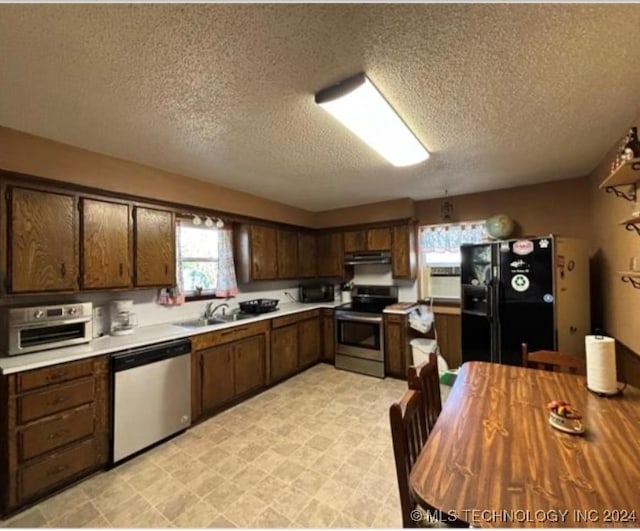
[279, 322]
[52, 434]
[51, 375]
[394, 318]
[327, 312]
[43, 403]
[58, 468]
[228, 335]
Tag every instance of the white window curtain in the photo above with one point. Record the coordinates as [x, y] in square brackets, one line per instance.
[448, 237]
[227, 285]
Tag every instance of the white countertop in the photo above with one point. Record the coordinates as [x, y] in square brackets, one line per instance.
[142, 336]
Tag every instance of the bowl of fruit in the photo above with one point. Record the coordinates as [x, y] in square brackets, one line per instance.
[564, 417]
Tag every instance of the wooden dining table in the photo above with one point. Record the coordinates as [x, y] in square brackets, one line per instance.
[493, 459]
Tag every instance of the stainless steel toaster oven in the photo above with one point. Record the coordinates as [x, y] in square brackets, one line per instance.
[35, 328]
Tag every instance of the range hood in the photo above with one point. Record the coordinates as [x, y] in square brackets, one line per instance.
[367, 257]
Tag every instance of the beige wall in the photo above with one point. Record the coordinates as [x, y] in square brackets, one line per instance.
[39, 156]
[559, 207]
[371, 213]
[613, 246]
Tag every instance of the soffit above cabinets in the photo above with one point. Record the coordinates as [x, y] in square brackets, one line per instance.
[500, 94]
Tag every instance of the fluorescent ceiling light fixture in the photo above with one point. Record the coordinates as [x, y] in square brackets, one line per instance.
[361, 108]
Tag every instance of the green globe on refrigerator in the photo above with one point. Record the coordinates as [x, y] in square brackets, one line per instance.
[499, 226]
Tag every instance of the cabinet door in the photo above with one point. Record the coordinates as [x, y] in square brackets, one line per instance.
[284, 352]
[249, 364]
[43, 241]
[330, 255]
[155, 247]
[449, 340]
[217, 376]
[328, 336]
[287, 246]
[306, 255]
[355, 240]
[104, 241]
[264, 262]
[379, 239]
[310, 341]
[403, 253]
[395, 345]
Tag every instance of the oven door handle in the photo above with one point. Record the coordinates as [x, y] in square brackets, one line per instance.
[359, 319]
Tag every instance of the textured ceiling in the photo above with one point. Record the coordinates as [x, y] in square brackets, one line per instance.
[501, 95]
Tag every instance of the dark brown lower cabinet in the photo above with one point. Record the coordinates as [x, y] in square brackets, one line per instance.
[284, 352]
[328, 336]
[395, 345]
[54, 429]
[309, 342]
[249, 367]
[217, 376]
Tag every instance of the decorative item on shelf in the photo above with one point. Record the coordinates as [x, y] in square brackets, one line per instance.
[632, 147]
[196, 220]
[499, 226]
[170, 297]
[209, 221]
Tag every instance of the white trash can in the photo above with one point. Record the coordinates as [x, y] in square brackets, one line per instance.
[420, 350]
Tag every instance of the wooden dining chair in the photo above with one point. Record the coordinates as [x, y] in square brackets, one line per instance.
[552, 361]
[409, 434]
[425, 378]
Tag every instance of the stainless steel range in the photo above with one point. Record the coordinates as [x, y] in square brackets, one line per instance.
[359, 330]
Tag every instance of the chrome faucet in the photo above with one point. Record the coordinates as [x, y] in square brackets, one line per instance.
[208, 313]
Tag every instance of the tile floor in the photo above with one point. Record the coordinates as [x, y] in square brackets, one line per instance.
[314, 451]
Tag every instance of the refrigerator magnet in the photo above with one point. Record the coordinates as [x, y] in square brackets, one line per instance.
[523, 247]
[520, 283]
[547, 297]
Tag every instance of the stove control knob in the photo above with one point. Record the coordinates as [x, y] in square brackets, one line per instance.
[38, 314]
[73, 310]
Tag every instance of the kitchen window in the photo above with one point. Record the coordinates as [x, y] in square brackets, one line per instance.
[204, 258]
[439, 256]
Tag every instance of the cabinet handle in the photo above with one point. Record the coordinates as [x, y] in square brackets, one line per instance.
[229, 332]
[57, 470]
[63, 270]
[58, 434]
[121, 269]
[166, 269]
[56, 376]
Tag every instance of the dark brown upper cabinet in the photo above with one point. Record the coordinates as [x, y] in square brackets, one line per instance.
[105, 244]
[403, 252]
[378, 239]
[42, 241]
[306, 255]
[330, 255]
[155, 247]
[255, 253]
[287, 253]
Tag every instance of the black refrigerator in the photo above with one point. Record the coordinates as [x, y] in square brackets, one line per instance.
[533, 290]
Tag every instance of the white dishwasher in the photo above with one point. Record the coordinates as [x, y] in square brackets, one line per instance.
[152, 395]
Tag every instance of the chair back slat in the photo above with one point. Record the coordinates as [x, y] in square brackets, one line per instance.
[425, 378]
[409, 434]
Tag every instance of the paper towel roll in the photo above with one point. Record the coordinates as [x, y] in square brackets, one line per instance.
[601, 364]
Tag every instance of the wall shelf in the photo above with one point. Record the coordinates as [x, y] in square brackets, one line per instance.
[626, 174]
[632, 223]
[631, 277]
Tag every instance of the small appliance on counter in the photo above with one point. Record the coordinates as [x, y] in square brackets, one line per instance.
[123, 320]
[316, 293]
[36, 328]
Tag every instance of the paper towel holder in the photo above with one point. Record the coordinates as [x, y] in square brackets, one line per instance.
[619, 390]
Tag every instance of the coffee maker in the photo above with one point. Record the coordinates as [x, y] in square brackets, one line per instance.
[123, 320]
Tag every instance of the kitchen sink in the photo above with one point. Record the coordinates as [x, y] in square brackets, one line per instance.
[218, 319]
